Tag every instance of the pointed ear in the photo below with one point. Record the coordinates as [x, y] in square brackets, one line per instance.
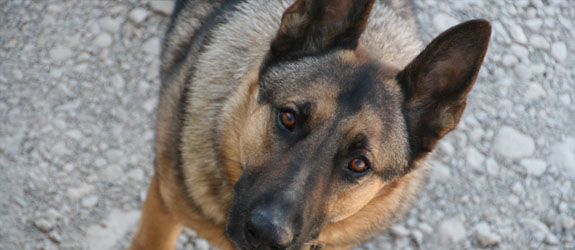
[437, 81]
[312, 26]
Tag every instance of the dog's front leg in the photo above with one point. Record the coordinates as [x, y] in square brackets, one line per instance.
[157, 229]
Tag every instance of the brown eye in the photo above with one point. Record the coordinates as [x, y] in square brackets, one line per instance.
[287, 118]
[358, 165]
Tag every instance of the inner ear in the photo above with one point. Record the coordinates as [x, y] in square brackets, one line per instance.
[437, 81]
[313, 26]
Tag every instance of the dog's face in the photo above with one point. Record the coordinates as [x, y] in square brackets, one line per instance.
[333, 125]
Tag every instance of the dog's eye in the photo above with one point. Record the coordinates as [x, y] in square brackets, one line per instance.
[287, 119]
[358, 165]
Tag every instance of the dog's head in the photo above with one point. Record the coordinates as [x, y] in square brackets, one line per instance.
[333, 124]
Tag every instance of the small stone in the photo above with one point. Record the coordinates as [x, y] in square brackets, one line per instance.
[517, 33]
[474, 158]
[152, 46]
[162, 7]
[509, 60]
[80, 191]
[539, 42]
[513, 144]
[55, 237]
[138, 15]
[534, 92]
[484, 235]
[534, 24]
[75, 135]
[563, 157]
[118, 82]
[451, 231]
[535, 167]
[60, 53]
[399, 231]
[492, 167]
[112, 172]
[567, 222]
[103, 40]
[520, 51]
[18, 75]
[111, 25]
[565, 99]
[551, 239]
[446, 147]
[202, 244]
[136, 174]
[417, 237]
[443, 21]
[559, 51]
[53, 9]
[523, 72]
[439, 172]
[150, 104]
[43, 225]
[426, 228]
[89, 201]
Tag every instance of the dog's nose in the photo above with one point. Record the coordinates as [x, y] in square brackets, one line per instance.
[266, 230]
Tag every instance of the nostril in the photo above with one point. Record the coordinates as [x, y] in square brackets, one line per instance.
[251, 235]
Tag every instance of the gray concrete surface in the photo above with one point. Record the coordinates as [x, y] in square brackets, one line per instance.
[78, 87]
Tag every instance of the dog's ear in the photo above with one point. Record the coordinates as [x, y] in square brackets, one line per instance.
[312, 26]
[437, 81]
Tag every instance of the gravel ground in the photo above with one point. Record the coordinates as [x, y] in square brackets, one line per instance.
[78, 89]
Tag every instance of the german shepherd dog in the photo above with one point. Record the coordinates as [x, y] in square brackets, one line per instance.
[299, 125]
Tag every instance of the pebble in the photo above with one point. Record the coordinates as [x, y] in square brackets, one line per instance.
[535, 167]
[509, 60]
[534, 24]
[538, 41]
[55, 237]
[426, 228]
[417, 237]
[111, 172]
[89, 201]
[138, 15]
[118, 82]
[512, 144]
[106, 234]
[43, 225]
[451, 231]
[111, 25]
[136, 174]
[399, 231]
[103, 40]
[559, 51]
[534, 92]
[444, 21]
[520, 51]
[446, 147]
[517, 33]
[60, 53]
[523, 72]
[567, 222]
[484, 235]
[152, 46]
[563, 157]
[18, 75]
[162, 7]
[439, 172]
[474, 158]
[202, 244]
[80, 191]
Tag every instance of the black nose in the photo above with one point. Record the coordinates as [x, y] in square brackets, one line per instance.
[268, 230]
